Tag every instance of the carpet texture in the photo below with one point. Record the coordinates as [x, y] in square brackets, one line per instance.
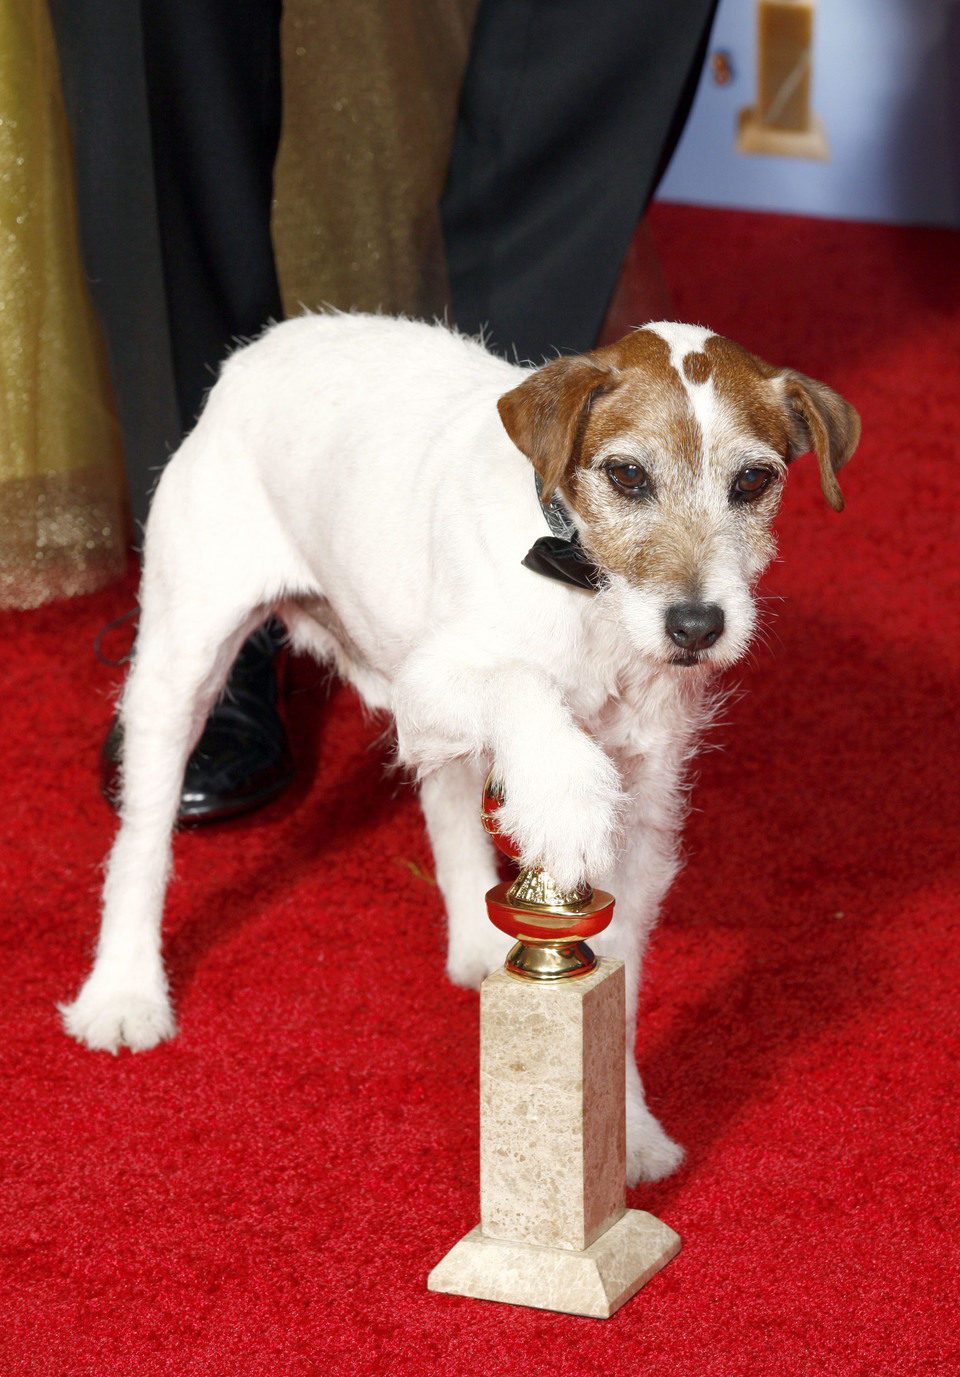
[265, 1195]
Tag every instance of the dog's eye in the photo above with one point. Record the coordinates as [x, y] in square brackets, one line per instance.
[750, 483]
[632, 479]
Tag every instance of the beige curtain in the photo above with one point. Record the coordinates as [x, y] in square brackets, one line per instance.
[62, 491]
[370, 97]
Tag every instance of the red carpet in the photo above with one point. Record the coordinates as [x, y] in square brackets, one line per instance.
[266, 1195]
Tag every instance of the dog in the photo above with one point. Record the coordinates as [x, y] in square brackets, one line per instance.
[534, 570]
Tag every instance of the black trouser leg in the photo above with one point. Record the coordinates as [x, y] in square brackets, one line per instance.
[567, 119]
[213, 82]
[175, 112]
[213, 87]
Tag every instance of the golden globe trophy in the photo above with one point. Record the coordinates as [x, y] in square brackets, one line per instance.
[554, 1230]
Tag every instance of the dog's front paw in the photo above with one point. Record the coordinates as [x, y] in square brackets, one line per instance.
[563, 810]
[107, 1018]
[651, 1154]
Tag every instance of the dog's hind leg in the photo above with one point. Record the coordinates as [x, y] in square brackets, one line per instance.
[466, 868]
[179, 667]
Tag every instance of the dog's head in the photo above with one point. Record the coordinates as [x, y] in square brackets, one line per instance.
[670, 448]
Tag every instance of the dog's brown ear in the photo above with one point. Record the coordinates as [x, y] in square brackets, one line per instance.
[820, 420]
[545, 415]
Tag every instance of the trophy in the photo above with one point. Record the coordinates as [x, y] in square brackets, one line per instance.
[554, 1230]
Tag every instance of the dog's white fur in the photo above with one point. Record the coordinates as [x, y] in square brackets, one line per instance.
[352, 475]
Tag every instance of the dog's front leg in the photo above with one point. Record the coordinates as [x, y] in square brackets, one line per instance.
[563, 795]
[465, 867]
[640, 879]
[651, 1153]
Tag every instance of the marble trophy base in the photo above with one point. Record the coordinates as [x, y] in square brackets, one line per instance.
[594, 1281]
[555, 1232]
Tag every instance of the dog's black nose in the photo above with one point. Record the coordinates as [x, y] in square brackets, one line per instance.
[694, 625]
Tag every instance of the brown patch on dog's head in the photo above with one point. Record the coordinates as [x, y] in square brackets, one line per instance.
[697, 368]
[646, 353]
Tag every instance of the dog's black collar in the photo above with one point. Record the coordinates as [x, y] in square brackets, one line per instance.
[560, 555]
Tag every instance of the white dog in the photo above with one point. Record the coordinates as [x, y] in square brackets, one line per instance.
[372, 483]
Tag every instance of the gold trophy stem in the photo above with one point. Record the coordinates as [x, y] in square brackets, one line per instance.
[550, 960]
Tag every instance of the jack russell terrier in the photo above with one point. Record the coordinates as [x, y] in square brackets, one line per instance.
[534, 570]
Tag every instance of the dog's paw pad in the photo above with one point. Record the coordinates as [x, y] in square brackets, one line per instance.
[118, 1021]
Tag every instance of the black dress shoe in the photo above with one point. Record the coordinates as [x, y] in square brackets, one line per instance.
[243, 758]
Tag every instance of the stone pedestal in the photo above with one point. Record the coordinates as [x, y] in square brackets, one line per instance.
[555, 1232]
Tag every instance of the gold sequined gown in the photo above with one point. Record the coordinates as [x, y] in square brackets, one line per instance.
[62, 494]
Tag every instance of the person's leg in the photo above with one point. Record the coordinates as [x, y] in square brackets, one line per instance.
[567, 120]
[100, 48]
[175, 113]
[213, 92]
[214, 98]
[176, 133]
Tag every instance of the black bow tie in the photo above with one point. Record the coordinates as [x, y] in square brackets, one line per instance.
[560, 555]
[564, 560]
